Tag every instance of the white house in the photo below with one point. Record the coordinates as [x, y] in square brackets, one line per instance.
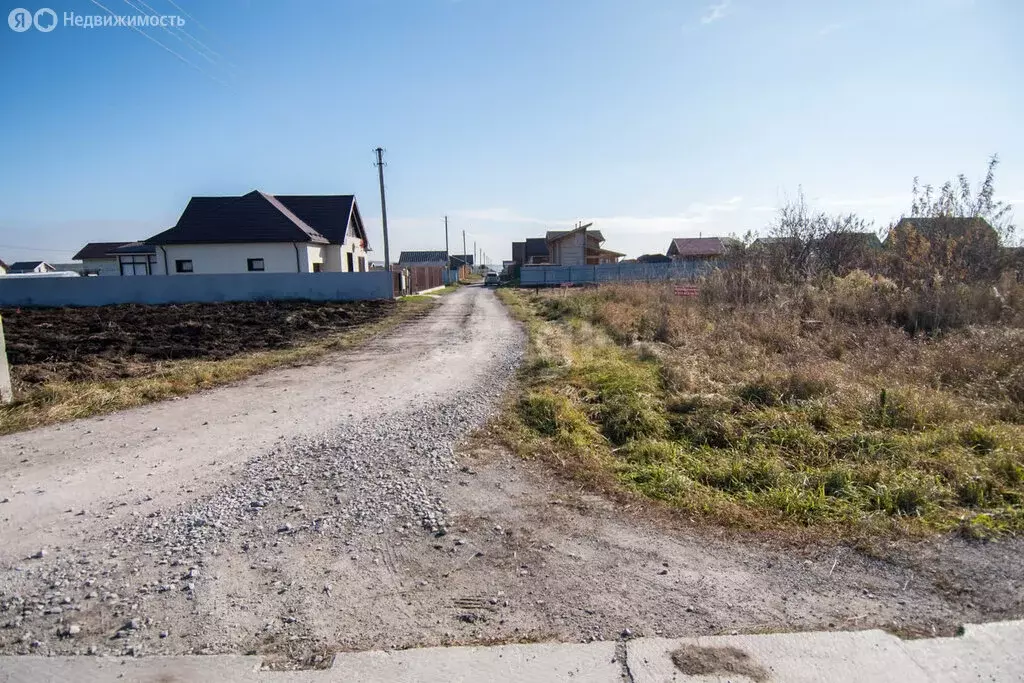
[3, 268]
[263, 233]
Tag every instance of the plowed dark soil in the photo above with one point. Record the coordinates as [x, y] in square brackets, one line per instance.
[109, 342]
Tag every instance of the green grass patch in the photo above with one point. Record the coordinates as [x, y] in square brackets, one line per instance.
[755, 444]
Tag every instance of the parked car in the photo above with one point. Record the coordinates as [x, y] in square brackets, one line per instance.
[491, 279]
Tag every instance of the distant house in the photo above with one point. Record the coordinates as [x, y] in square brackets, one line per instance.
[22, 267]
[424, 269]
[579, 247]
[691, 249]
[945, 228]
[461, 265]
[97, 259]
[3, 267]
[260, 232]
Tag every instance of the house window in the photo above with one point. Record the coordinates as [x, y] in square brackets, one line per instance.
[141, 264]
[318, 267]
[350, 264]
[183, 265]
[255, 265]
[362, 264]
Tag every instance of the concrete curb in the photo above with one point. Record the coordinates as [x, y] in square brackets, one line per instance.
[989, 652]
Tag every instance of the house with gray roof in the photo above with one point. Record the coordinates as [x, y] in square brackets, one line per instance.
[263, 233]
[684, 249]
[25, 267]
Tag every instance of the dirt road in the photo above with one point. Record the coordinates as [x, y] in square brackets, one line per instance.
[322, 508]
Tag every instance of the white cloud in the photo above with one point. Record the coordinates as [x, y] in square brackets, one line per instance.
[716, 11]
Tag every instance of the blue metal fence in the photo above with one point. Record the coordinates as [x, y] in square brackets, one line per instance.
[541, 276]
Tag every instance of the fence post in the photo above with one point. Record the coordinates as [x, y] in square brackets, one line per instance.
[6, 394]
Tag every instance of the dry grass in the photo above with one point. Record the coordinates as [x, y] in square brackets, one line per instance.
[60, 401]
[750, 416]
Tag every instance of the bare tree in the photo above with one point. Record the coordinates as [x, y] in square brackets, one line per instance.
[804, 243]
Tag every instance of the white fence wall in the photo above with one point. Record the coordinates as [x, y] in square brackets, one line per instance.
[159, 289]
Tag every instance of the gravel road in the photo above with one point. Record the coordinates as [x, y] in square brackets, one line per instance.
[321, 508]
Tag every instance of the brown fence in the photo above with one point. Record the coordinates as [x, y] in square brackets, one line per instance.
[425, 277]
[417, 279]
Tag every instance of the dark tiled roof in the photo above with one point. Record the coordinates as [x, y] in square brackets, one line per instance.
[96, 250]
[697, 246]
[2, 264]
[254, 217]
[327, 214]
[24, 266]
[556, 234]
[409, 257]
[457, 260]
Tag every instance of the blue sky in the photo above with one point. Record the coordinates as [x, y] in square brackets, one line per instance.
[653, 118]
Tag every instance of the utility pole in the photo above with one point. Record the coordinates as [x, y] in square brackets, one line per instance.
[476, 259]
[446, 253]
[464, 252]
[383, 207]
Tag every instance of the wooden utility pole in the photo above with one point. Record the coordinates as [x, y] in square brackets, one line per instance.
[383, 207]
[446, 252]
[464, 247]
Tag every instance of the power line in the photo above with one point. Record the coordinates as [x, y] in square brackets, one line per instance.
[56, 251]
[202, 54]
[178, 7]
[149, 37]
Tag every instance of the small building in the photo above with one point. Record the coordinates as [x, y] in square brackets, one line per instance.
[423, 269]
[3, 267]
[263, 233]
[23, 267]
[697, 249]
[460, 266]
[579, 247]
[944, 228]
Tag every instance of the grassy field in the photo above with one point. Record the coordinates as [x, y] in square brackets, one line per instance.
[754, 416]
[93, 384]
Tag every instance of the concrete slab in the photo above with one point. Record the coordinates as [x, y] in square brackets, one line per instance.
[986, 652]
[856, 657]
[593, 663]
[989, 652]
[186, 669]
[536, 663]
